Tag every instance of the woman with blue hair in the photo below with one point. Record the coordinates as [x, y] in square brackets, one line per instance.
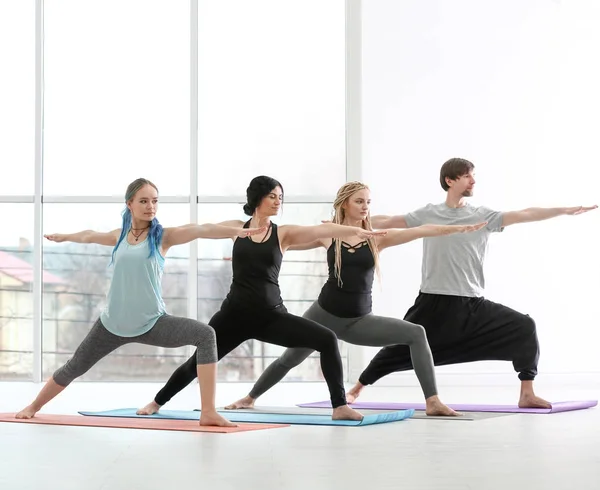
[135, 310]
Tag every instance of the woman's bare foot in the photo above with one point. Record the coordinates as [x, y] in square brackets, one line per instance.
[529, 400]
[213, 418]
[434, 406]
[354, 393]
[346, 413]
[246, 402]
[27, 412]
[149, 409]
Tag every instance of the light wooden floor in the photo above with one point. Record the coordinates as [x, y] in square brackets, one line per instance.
[512, 452]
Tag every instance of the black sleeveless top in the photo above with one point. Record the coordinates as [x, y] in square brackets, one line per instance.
[256, 272]
[353, 298]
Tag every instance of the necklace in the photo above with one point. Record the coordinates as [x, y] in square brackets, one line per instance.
[137, 237]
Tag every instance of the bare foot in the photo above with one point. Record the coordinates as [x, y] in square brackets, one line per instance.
[346, 413]
[434, 406]
[27, 413]
[529, 400]
[149, 409]
[213, 418]
[354, 393]
[246, 402]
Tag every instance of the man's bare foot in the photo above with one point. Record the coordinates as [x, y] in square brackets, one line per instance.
[434, 406]
[27, 412]
[213, 418]
[346, 413]
[354, 393]
[246, 402]
[149, 409]
[529, 400]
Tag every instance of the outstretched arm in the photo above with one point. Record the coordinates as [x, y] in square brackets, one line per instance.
[308, 246]
[87, 236]
[539, 214]
[185, 234]
[298, 235]
[383, 222]
[398, 237]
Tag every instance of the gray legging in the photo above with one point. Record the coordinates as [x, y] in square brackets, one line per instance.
[168, 331]
[369, 330]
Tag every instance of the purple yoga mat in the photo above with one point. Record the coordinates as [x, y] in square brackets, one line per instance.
[556, 406]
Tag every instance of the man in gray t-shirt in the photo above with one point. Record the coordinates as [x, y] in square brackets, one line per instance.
[461, 325]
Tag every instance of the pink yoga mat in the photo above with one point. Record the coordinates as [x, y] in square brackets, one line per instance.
[133, 423]
[462, 407]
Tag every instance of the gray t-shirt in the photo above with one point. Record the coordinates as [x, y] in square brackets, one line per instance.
[453, 264]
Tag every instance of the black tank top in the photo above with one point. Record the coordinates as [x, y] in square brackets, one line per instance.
[353, 298]
[256, 272]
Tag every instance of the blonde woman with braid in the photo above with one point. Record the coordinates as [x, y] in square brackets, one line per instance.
[344, 305]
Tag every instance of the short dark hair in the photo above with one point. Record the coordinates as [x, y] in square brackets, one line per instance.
[453, 169]
[259, 187]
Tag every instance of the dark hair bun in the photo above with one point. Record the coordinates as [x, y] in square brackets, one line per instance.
[259, 187]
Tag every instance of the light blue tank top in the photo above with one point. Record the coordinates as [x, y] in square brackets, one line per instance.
[134, 301]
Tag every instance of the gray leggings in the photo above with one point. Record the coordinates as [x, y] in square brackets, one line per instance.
[369, 330]
[168, 331]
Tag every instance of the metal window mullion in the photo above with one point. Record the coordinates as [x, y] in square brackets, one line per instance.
[192, 304]
[17, 199]
[107, 199]
[37, 198]
[193, 198]
[239, 199]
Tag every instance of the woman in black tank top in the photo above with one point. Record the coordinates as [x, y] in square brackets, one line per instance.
[344, 305]
[253, 308]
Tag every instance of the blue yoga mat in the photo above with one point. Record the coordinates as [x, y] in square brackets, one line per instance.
[260, 417]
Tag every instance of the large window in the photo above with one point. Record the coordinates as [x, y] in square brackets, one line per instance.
[123, 89]
[16, 291]
[17, 96]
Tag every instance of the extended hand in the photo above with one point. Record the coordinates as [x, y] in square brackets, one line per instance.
[56, 237]
[579, 210]
[470, 228]
[246, 232]
[366, 234]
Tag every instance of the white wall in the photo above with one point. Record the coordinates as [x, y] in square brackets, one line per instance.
[515, 87]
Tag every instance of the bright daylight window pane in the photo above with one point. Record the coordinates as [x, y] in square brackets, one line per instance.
[16, 296]
[17, 96]
[271, 95]
[116, 95]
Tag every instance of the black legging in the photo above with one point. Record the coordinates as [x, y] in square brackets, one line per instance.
[234, 326]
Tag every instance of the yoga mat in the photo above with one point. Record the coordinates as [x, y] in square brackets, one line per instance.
[130, 423]
[557, 407]
[418, 415]
[260, 417]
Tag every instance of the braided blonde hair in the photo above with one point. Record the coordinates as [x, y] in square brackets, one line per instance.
[343, 194]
